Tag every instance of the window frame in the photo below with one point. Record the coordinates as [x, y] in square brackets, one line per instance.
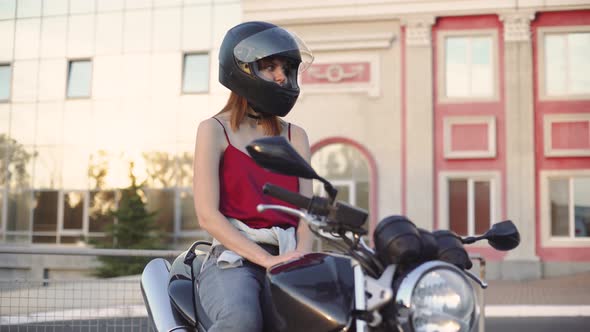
[541, 86]
[547, 240]
[448, 123]
[11, 78]
[83, 232]
[493, 177]
[548, 121]
[183, 72]
[441, 65]
[68, 70]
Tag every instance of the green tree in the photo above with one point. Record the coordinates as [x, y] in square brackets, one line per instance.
[135, 229]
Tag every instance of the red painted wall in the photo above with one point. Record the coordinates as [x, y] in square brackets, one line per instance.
[542, 108]
[486, 108]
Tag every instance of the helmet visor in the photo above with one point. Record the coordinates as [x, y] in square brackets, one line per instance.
[275, 41]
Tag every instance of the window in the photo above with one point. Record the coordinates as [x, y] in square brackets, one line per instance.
[73, 217]
[195, 76]
[569, 206]
[188, 219]
[469, 206]
[101, 202]
[469, 203]
[467, 65]
[161, 202]
[79, 78]
[348, 170]
[5, 78]
[566, 65]
[18, 212]
[45, 216]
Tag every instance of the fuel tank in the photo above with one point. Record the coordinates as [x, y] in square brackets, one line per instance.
[314, 293]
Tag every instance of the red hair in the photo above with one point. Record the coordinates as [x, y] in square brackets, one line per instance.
[238, 106]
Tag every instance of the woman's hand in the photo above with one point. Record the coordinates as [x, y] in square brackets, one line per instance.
[274, 260]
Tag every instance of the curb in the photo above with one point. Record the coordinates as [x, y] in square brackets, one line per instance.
[537, 311]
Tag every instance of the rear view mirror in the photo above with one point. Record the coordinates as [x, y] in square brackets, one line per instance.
[277, 155]
[502, 236]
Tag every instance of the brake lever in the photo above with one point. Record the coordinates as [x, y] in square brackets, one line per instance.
[480, 282]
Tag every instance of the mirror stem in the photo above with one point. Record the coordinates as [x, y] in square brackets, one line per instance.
[332, 192]
[472, 239]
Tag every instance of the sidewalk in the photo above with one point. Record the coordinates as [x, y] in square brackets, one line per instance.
[558, 296]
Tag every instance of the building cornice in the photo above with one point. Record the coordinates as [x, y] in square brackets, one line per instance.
[327, 11]
[377, 40]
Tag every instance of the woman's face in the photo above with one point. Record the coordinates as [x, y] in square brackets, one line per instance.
[273, 70]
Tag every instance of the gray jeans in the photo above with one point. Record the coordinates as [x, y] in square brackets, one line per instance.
[235, 299]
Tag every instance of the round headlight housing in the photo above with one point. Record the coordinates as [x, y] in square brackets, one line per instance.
[437, 296]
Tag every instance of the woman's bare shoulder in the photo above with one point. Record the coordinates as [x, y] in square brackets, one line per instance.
[211, 130]
[298, 132]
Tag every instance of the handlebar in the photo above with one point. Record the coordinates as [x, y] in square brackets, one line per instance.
[285, 195]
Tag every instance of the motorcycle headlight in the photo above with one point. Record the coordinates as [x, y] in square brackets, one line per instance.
[436, 297]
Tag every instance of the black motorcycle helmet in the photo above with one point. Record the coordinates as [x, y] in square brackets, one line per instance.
[249, 42]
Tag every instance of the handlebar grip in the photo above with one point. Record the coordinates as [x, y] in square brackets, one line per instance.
[285, 195]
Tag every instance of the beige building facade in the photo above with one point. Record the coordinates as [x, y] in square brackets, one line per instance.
[457, 114]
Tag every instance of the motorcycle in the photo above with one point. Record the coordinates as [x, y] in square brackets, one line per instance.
[412, 280]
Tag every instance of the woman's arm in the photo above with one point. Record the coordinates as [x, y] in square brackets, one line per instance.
[300, 142]
[208, 150]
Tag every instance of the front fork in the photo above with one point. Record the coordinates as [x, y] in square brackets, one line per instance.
[380, 293]
[360, 300]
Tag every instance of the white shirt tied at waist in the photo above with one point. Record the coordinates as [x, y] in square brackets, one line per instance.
[283, 238]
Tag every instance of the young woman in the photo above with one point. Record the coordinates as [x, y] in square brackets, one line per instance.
[259, 63]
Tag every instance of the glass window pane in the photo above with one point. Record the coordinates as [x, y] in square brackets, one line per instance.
[73, 210]
[79, 77]
[196, 73]
[559, 200]
[482, 74]
[188, 219]
[555, 66]
[5, 73]
[582, 207]
[579, 63]
[71, 239]
[16, 163]
[100, 204]
[458, 206]
[2, 192]
[161, 202]
[47, 168]
[482, 206]
[340, 162]
[19, 210]
[456, 50]
[44, 239]
[45, 211]
[344, 193]
[457, 75]
[481, 51]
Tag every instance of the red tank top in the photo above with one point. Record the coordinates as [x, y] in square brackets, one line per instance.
[240, 189]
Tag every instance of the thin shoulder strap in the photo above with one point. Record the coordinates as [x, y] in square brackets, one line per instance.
[225, 132]
[289, 131]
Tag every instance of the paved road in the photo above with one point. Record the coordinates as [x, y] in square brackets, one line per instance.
[496, 324]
